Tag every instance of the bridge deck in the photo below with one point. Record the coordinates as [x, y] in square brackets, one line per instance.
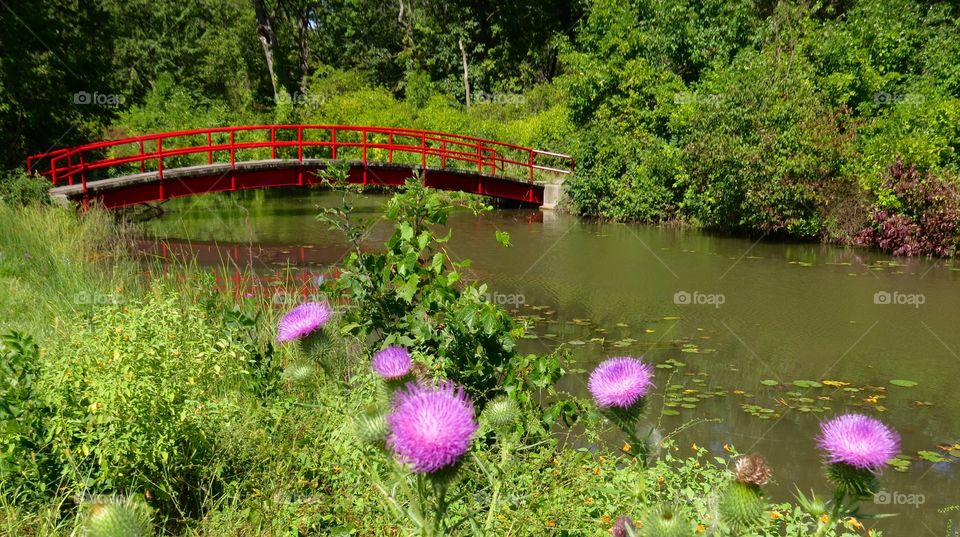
[243, 175]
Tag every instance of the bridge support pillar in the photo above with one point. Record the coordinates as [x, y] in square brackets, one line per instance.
[551, 195]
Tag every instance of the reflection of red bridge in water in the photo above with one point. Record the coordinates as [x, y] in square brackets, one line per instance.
[251, 271]
[158, 167]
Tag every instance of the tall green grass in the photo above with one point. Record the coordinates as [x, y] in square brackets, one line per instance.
[55, 263]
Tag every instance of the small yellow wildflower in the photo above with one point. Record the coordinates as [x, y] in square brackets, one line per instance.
[854, 523]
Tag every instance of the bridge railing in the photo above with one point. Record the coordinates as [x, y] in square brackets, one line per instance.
[367, 144]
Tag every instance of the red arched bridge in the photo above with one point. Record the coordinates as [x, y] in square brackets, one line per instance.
[158, 167]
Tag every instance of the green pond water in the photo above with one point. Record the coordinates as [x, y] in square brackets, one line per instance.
[767, 338]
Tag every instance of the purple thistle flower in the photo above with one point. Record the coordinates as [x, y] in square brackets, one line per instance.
[858, 440]
[620, 382]
[302, 320]
[391, 363]
[430, 427]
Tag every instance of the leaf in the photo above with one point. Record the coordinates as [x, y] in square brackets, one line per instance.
[835, 383]
[769, 382]
[807, 384]
[503, 238]
[931, 456]
[409, 288]
[347, 328]
[904, 383]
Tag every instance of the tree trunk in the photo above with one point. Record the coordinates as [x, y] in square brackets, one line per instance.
[303, 52]
[406, 19]
[267, 40]
[466, 72]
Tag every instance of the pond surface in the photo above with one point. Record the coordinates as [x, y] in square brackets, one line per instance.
[768, 338]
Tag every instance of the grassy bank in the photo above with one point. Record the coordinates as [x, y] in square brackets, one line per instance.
[177, 396]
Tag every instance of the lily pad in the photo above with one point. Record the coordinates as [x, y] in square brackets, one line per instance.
[904, 383]
[900, 463]
[931, 456]
[769, 382]
[807, 384]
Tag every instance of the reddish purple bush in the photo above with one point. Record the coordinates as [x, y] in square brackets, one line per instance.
[923, 220]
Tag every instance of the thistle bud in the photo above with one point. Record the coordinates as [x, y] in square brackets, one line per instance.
[741, 506]
[664, 521]
[372, 428]
[118, 517]
[501, 413]
[299, 372]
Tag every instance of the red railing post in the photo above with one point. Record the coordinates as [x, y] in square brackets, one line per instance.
[531, 165]
[363, 144]
[443, 154]
[160, 167]
[390, 147]
[423, 151]
[273, 142]
[143, 167]
[300, 144]
[480, 156]
[300, 155]
[333, 140]
[53, 170]
[233, 161]
[210, 147]
[83, 181]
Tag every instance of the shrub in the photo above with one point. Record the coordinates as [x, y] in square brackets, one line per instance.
[915, 214]
[412, 295]
[624, 178]
[764, 153]
[24, 466]
[18, 188]
[136, 395]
